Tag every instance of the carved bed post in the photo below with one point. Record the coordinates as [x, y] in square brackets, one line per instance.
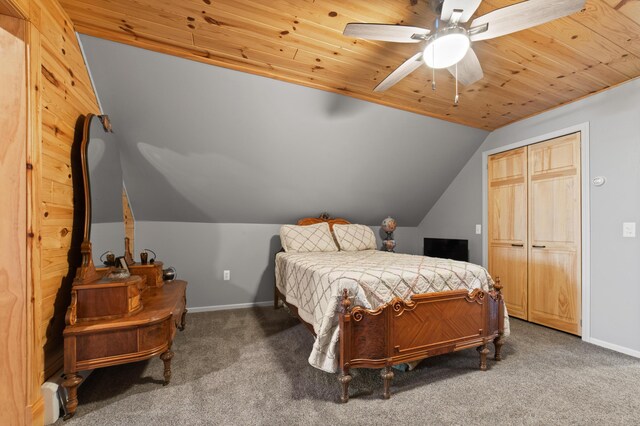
[387, 376]
[498, 341]
[484, 351]
[344, 378]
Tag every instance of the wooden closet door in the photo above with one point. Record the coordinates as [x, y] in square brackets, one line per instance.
[555, 290]
[507, 233]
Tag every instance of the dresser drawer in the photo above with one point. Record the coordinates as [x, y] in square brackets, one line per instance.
[155, 335]
[106, 344]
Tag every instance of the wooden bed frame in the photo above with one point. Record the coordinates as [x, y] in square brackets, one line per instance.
[402, 331]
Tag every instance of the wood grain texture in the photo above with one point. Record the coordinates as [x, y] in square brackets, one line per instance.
[507, 226]
[301, 42]
[62, 91]
[535, 231]
[15, 8]
[555, 290]
[54, 84]
[409, 330]
[146, 333]
[34, 191]
[13, 214]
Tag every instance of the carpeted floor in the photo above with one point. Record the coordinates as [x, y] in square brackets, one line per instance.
[249, 367]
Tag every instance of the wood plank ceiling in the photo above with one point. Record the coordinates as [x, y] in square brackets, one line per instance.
[301, 41]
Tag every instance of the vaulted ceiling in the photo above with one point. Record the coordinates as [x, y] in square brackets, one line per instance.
[206, 144]
[301, 41]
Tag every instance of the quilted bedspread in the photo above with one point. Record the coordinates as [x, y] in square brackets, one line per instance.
[313, 282]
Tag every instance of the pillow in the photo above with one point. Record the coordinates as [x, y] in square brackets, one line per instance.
[303, 239]
[354, 237]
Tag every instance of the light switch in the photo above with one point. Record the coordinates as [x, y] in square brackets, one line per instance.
[478, 229]
[629, 229]
[226, 275]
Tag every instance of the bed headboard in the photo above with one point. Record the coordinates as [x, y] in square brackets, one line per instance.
[324, 217]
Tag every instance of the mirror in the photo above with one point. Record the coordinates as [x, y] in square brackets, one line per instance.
[104, 187]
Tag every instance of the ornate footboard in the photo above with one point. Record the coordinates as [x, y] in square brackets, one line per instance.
[427, 325]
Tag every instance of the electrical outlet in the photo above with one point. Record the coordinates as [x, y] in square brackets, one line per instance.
[629, 229]
[226, 275]
[478, 229]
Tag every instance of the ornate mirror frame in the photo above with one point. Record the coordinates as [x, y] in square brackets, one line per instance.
[87, 273]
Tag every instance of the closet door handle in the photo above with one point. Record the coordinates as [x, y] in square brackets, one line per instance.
[534, 246]
[517, 245]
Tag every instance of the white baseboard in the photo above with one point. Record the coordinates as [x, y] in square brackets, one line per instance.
[614, 347]
[227, 307]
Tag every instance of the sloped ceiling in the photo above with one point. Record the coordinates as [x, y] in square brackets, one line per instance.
[208, 144]
[301, 41]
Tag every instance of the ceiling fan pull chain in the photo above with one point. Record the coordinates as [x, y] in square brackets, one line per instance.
[455, 100]
[433, 70]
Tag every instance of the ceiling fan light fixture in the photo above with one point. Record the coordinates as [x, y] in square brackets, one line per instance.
[446, 48]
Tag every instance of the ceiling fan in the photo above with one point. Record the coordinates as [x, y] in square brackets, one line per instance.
[448, 45]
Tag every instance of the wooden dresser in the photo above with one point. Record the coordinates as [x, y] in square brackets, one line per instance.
[111, 322]
[115, 317]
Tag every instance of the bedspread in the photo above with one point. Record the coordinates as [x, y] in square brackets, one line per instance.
[313, 282]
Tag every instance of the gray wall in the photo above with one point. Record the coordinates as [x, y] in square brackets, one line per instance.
[214, 160]
[614, 125]
[212, 145]
[202, 251]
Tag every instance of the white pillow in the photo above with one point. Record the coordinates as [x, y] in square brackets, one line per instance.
[308, 238]
[354, 237]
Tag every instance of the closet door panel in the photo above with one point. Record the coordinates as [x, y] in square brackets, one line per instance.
[554, 285]
[507, 227]
[509, 218]
[553, 213]
[554, 297]
[510, 264]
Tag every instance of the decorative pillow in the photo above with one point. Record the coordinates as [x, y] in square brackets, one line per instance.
[303, 239]
[354, 237]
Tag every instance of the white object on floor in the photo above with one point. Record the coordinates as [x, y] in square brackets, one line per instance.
[54, 395]
[51, 401]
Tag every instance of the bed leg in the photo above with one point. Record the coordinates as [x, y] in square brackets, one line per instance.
[387, 376]
[276, 299]
[484, 351]
[344, 379]
[497, 342]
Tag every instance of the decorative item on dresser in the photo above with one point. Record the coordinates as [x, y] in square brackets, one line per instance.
[402, 330]
[115, 317]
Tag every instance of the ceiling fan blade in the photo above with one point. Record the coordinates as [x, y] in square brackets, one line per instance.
[469, 69]
[401, 72]
[468, 8]
[384, 32]
[521, 16]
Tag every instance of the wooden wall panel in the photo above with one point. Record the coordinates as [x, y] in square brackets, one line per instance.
[44, 89]
[15, 8]
[301, 42]
[13, 215]
[65, 93]
[34, 190]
